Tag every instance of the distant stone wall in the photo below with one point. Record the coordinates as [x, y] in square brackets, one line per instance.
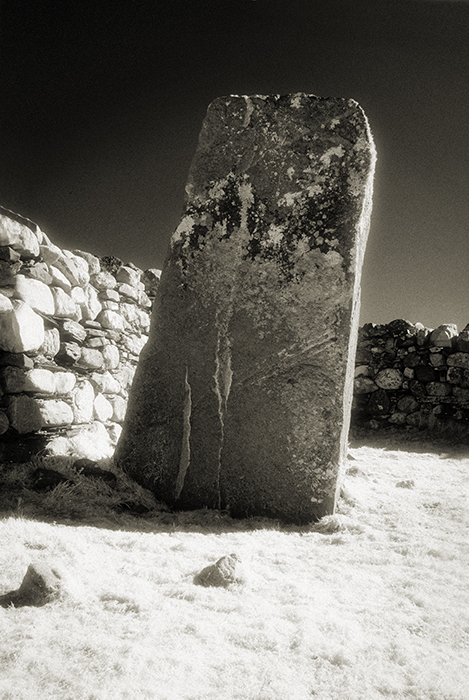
[409, 376]
[72, 326]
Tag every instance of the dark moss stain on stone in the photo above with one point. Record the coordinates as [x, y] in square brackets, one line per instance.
[320, 220]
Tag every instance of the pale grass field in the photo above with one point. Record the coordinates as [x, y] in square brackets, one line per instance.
[374, 606]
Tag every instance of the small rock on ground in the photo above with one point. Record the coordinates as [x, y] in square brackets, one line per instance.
[223, 573]
[406, 484]
[40, 585]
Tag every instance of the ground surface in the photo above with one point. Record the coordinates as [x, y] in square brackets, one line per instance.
[371, 603]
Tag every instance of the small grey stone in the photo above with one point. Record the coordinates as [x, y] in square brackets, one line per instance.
[223, 573]
[40, 585]
[406, 484]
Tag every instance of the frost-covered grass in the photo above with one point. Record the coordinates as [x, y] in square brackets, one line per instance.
[370, 603]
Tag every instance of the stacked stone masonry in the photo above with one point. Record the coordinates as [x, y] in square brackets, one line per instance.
[411, 377]
[72, 326]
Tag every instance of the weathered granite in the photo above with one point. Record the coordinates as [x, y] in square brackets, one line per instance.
[242, 396]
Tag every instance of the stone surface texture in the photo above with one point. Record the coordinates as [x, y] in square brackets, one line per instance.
[242, 396]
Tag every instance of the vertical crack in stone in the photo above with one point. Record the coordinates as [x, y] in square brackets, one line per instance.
[186, 434]
[223, 370]
[223, 379]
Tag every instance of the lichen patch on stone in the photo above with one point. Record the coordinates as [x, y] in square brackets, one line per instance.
[328, 155]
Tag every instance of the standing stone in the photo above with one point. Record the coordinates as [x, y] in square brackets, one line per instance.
[242, 395]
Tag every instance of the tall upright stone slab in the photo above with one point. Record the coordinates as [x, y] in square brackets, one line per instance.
[242, 395]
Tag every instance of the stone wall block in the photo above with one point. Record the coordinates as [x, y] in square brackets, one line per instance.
[92, 306]
[390, 379]
[462, 341]
[111, 357]
[8, 254]
[82, 402]
[64, 382]
[398, 418]
[50, 253]
[126, 290]
[8, 272]
[459, 359]
[425, 374]
[103, 280]
[134, 343]
[4, 422]
[364, 385]
[96, 342]
[40, 381]
[54, 412]
[144, 300]
[103, 410]
[72, 331]
[10, 359]
[82, 265]
[59, 279]
[94, 266]
[69, 353]
[408, 404]
[91, 358]
[131, 313]
[78, 296]
[111, 319]
[72, 271]
[461, 394]
[443, 335]
[24, 414]
[129, 276]
[439, 389]
[38, 271]
[110, 306]
[109, 295]
[19, 236]
[91, 441]
[119, 407]
[105, 383]
[65, 307]
[12, 380]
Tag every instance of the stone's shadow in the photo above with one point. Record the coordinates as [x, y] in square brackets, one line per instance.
[203, 521]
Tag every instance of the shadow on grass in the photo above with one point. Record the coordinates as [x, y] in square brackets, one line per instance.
[91, 502]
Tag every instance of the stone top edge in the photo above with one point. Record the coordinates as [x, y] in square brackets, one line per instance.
[275, 97]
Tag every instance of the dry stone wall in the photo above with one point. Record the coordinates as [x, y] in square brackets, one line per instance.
[72, 326]
[411, 377]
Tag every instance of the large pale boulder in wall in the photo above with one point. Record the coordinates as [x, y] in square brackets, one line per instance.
[242, 395]
[19, 233]
[21, 329]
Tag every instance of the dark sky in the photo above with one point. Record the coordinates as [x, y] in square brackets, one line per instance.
[101, 103]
